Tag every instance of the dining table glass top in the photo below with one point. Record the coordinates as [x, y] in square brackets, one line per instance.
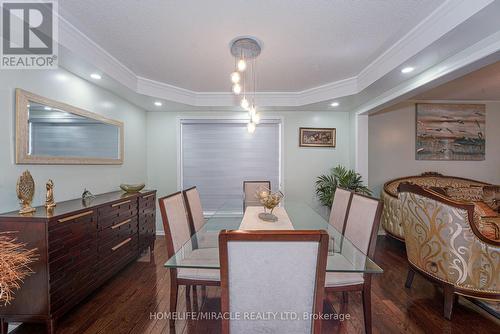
[202, 250]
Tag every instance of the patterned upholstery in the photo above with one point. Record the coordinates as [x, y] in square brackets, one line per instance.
[441, 242]
[456, 188]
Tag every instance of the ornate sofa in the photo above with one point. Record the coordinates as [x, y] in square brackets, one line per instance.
[484, 196]
[445, 246]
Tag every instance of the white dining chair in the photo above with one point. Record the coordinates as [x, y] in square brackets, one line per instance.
[361, 230]
[272, 271]
[250, 189]
[178, 233]
[340, 207]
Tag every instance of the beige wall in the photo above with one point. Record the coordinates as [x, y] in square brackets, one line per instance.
[392, 148]
[70, 179]
[301, 165]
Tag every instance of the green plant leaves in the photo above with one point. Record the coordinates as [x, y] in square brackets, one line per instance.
[339, 177]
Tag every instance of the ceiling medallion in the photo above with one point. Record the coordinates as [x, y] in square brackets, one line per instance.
[245, 51]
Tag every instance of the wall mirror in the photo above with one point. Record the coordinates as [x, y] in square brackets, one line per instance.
[51, 132]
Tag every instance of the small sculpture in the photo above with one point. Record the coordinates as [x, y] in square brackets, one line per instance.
[87, 197]
[49, 196]
[269, 200]
[25, 190]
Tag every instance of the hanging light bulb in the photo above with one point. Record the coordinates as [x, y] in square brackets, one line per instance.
[256, 118]
[242, 65]
[236, 88]
[235, 77]
[244, 103]
[251, 127]
[252, 111]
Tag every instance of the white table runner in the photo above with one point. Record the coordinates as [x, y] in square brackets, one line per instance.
[251, 220]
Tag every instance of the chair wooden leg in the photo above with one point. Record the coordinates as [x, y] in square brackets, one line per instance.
[345, 297]
[173, 300]
[152, 246]
[203, 293]
[449, 300]
[195, 298]
[51, 326]
[409, 278]
[4, 326]
[367, 307]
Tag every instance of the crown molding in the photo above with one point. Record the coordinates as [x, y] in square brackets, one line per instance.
[474, 56]
[442, 20]
[76, 41]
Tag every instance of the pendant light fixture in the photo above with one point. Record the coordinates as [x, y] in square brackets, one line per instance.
[245, 51]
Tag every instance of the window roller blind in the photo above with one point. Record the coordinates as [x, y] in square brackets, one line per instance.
[218, 157]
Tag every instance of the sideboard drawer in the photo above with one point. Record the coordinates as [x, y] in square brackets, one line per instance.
[114, 256]
[117, 232]
[147, 221]
[72, 257]
[115, 213]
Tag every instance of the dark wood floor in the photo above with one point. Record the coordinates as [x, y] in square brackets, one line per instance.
[127, 303]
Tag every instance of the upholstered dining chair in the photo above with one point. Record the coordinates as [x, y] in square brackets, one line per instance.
[361, 229]
[259, 269]
[445, 246]
[177, 233]
[194, 209]
[250, 189]
[340, 207]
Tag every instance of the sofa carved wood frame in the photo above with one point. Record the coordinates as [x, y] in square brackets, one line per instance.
[444, 245]
[390, 216]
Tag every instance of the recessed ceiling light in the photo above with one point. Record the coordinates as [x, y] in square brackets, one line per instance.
[407, 70]
[158, 103]
[96, 76]
[334, 104]
[47, 108]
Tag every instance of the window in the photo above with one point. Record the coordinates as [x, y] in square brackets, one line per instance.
[218, 155]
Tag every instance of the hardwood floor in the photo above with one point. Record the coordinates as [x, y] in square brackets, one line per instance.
[127, 304]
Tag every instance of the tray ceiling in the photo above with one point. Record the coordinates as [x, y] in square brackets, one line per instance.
[305, 43]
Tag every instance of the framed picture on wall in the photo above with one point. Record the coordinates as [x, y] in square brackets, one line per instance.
[317, 137]
[450, 131]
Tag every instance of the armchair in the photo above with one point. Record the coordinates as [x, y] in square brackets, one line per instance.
[444, 245]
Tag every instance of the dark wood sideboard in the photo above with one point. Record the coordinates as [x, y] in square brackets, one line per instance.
[80, 246]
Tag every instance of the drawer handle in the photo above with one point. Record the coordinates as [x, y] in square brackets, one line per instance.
[83, 214]
[121, 244]
[120, 224]
[148, 196]
[121, 203]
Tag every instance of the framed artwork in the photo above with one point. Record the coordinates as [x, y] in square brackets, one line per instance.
[450, 131]
[317, 137]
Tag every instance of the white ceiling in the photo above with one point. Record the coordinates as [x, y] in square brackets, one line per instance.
[185, 43]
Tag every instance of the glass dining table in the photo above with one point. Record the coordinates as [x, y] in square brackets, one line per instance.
[201, 251]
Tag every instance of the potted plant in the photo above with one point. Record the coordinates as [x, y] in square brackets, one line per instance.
[339, 177]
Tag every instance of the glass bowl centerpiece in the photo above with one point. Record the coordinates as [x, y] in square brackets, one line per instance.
[269, 200]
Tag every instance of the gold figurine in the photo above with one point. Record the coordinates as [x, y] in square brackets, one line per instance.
[25, 191]
[49, 197]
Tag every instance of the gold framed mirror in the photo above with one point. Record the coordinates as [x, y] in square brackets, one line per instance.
[52, 132]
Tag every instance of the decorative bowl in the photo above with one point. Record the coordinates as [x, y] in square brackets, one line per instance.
[132, 188]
